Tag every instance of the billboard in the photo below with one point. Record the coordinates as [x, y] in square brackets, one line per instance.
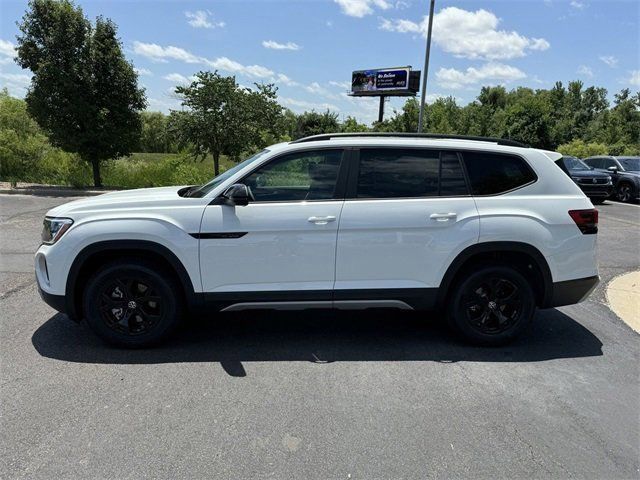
[380, 81]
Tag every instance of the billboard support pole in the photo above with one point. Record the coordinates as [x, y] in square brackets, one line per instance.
[426, 69]
[381, 109]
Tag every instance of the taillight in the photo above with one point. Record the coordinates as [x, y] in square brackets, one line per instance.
[586, 220]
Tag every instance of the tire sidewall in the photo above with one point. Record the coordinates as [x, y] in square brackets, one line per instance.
[144, 272]
[457, 315]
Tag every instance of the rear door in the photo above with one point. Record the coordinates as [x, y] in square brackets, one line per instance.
[407, 215]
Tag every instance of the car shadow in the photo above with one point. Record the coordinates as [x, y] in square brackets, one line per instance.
[319, 337]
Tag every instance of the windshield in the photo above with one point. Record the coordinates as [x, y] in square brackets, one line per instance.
[207, 187]
[630, 163]
[573, 163]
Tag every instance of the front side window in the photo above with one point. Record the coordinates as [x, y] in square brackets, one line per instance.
[493, 173]
[398, 173]
[309, 175]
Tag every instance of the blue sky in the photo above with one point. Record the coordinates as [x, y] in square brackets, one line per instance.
[309, 47]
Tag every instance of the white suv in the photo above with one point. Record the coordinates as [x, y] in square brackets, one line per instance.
[485, 230]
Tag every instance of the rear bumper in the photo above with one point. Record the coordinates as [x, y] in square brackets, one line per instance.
[573, 291]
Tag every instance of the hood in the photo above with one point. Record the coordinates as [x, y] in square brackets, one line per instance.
[125, 199]
[588, 174]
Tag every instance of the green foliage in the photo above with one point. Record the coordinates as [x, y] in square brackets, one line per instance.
[351, 125]
[581, 149]
[314, 123]
[224, 118]
[83, 93]
[156, 136]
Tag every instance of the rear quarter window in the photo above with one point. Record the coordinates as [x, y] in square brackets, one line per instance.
[495, 173]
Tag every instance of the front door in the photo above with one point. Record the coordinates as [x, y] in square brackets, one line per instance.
[282, 245]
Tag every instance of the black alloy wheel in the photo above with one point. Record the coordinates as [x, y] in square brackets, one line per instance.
[129, 305]
[132, 303]
[492, 305]
[624, 192]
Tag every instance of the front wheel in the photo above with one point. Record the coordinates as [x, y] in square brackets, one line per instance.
[491, 306]
[131, 303]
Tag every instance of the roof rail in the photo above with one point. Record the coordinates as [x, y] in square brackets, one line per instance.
[442, 136]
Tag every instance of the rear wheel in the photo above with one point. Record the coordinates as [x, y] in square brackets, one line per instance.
[491, 306]
[130, 303]
[624, 192]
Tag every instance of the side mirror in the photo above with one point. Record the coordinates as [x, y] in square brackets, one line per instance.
[237, 194]
[613, 169]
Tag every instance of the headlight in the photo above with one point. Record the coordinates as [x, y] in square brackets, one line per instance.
[54, 228]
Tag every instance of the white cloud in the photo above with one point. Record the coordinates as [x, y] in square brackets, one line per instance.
[609, 60]
[178, 78]
[280, 46]
[158, 53]
[345, 85]
[143, 71]
[634, 79]
[302, 105]
[584, 71]
[282, 78]
[490, 73]
[468, 34]
[360, 8]
[577, 4]
[7, 49]
[202, 19]
[15, 83]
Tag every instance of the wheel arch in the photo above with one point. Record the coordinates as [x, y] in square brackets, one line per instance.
[518, 253]
[99, 253]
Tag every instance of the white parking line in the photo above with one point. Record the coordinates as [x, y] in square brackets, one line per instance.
[624, 204]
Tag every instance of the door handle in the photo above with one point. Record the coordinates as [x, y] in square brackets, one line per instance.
[322, 220]
[443, 217]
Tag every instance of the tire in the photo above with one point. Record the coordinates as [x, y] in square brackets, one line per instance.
[624, 192]
[131, 303]
[491, 306]
[597, 200]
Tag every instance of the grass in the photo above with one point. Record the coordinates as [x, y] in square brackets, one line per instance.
[141, 170]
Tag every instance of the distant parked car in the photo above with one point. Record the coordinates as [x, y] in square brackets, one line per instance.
[595, 185]
[625, 173]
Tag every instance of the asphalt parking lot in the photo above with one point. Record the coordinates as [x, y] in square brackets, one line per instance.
[317, 395]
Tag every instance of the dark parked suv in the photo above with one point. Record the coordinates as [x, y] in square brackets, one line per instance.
[625, 173]
[595, 185]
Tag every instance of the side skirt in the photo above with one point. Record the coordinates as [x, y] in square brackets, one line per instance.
[403, 299]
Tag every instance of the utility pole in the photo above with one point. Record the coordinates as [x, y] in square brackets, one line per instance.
[426, 68]
[381, 109]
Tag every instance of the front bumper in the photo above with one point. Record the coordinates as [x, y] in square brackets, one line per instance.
[573, 291]
[597, 191]
[57, 302]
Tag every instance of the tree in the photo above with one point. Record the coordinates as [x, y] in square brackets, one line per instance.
[83, 92]
[314, 123]
[223, 118]
[155, 136]
[351, 125]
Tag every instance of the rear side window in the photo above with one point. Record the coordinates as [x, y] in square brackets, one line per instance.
[409, 173]
[493, 173]
[390, 172]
